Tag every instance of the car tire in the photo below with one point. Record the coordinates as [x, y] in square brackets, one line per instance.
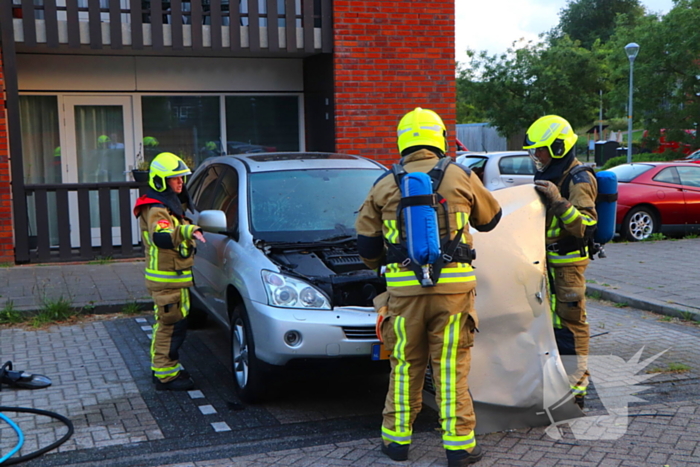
[249, 376]
[639, 224]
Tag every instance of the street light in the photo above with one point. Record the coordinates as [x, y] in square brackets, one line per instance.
[631, 49]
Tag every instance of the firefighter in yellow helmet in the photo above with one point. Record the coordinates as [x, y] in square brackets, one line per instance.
[169, 242]
[569, 193]
[424, 323]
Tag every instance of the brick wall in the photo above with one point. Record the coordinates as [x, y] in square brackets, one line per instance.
[391, 57]
[7, 253]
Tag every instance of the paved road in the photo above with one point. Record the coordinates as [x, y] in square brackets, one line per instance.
[102, 383]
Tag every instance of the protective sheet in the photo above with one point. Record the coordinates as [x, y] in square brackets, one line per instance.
[517, 378]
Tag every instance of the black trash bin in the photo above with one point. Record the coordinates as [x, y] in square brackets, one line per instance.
[604, 151]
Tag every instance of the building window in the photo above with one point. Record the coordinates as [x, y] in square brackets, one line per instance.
[262, 124]
[41, 148]
[187, 126]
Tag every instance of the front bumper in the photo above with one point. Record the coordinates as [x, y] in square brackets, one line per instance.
[341, 332]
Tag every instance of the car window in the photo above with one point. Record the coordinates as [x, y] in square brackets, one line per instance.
[628, 172]
[473, 162]
[202, 198]
[668, 175]
[307, 205]
[690, 176]
[225, 197]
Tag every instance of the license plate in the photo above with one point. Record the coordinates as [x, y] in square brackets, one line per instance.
[379, 352]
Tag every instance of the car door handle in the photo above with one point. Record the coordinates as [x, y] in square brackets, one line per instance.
[509, 180]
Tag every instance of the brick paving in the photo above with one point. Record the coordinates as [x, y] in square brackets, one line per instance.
[100, 375]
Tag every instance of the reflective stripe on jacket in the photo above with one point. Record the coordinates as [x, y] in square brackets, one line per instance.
[468, 203]
[170, 267]
[575, 222]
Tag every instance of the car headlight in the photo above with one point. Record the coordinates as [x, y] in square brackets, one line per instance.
[288, 292]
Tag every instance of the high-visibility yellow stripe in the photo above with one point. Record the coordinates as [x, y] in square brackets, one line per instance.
[392, 232]
[569, 258]
[168, 276]
[402, 380]
[399, 437]
[462, 221]
[448, 376]
[579, 390]
[455, 443]
[397, 278]
[185, 302]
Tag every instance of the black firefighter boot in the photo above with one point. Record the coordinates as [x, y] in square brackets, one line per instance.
[396, 451]
[182, 382]
[462, 458]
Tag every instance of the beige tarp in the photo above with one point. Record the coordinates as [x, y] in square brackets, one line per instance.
[517, 378]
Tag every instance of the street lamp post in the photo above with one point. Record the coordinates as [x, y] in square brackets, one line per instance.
[631, 49]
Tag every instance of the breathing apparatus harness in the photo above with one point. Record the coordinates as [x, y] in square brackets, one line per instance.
[451, 250]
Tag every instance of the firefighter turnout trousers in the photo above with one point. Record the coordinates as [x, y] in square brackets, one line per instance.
[440, 327]
[171, 308]
[570, 324]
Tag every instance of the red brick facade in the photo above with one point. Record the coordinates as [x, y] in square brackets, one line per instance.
[391, 57]
[7, 252]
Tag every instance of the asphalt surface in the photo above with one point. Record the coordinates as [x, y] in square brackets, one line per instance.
[101, 378]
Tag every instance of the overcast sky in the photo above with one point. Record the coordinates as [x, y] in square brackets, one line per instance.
[493, 25]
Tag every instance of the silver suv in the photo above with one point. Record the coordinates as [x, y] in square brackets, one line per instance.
[280, 267]
[498, 170]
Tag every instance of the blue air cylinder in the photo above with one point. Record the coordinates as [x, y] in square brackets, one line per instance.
[606, 206]
[420, 221]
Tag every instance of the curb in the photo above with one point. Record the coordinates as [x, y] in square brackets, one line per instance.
[675, 310]
[92, 309]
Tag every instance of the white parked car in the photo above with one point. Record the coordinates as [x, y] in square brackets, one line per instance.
[280, 267]
[499, 170]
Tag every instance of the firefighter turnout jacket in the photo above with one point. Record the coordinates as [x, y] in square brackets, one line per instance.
[571, 224]
[469, 203]
[169, 243]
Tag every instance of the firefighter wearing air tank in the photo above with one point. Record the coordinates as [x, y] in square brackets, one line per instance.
[429, 313]
[569, 193]
[168, 238]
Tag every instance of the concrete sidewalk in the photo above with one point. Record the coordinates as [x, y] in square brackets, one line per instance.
[655, 276]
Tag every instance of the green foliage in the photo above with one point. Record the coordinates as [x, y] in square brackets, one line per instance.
[655, 237]
[672, 368]
[101, 260]
[621, 305]
[132, 308]
[646, 157]
[588, 21]
[666, 71]
[9, 315]
[691, 236]
[594, 294]
[512, 90]
[688, 316]
[52, 311]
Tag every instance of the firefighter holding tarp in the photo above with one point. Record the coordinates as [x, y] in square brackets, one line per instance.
[429, 306]
[569, 193]
[169, 240]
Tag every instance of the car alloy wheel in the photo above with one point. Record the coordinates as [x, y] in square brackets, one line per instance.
[240, 353]
[640, 224]
[249, 377]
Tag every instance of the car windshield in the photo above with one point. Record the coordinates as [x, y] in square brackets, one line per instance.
[628, 172]
[307, 205]
[473, 162]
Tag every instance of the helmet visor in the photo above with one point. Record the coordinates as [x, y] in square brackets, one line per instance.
[532, 152]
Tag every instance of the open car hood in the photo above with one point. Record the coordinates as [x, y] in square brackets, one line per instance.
[517, 378]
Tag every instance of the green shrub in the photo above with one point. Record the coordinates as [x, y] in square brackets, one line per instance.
[646, 157]
[8, 314]
[53, 311]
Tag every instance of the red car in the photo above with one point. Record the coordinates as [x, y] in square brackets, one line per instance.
[657, 197]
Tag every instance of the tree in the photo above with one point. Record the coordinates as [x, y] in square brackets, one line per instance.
[589, 20]
[523, 84]
[666, 71]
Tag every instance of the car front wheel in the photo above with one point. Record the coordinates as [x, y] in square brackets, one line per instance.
[639, 224]
[249, 376]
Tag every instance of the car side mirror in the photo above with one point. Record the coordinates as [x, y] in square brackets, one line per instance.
[213, 221]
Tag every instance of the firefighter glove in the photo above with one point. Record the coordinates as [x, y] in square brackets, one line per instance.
[551, 197]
